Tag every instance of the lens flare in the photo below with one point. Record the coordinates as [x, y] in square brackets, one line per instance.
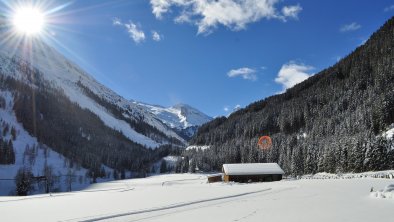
[29, 20]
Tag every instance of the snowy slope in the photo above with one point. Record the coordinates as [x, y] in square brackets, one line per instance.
[180, 116]
[183, 118]
[187, 197]
[56, 161]
[65, 75]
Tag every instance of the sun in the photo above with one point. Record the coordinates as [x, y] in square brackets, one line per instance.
[29, 21]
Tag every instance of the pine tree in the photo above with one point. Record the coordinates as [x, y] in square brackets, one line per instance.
[163, 166]
[115, 175]
[122, 174]
[24, 181]
[11, 153]
[70, 178]
[297, 164]
[13, 133]
[376, 155]
[356, 157]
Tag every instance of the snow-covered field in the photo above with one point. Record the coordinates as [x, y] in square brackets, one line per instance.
[187, 197]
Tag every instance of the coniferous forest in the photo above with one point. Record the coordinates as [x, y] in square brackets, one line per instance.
[333, 122]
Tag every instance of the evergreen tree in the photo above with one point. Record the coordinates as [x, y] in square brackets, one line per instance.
[24, 181]
[13, 133]
[70, 178]
[163, 167]
[376, 155]
[122, 174]
[7, 153]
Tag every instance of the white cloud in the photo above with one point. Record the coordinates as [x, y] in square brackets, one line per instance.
[136, 34]
[291, 11]
[234, 14]
[245, 73]
[350, 27]
[292, 73]
[156, 36]
[226, 109]
[117, 21]
[389, 8]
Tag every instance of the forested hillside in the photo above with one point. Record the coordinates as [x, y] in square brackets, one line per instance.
[335, 121]
[76, 133]
[60, 107]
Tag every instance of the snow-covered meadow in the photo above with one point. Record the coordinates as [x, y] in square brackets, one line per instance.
[187, 197]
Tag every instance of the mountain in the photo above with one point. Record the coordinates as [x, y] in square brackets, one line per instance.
[84, 90]
[339, 120]
[183, 118]
[49, 103]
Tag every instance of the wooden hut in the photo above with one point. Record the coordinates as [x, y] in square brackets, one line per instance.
[252, 172]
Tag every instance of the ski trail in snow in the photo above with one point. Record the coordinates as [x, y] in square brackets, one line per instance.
[53, 195]
[168, 207]
[275, 191]
[171, 182]
[246, 216]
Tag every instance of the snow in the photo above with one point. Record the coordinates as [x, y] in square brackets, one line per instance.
[172, 159]
[374, 174]
[389, 133]
[387, 192]
[180, 116]
[302, 136]
[109, 120]
[252, 169]
[65, 75]
[195, 147]
[389, 188]
[23, 139]
[187, 197]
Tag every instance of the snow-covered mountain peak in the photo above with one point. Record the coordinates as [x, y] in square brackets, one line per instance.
[180, 116]
[190, 115]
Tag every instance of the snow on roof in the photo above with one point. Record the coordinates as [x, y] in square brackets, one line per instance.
[252, 169]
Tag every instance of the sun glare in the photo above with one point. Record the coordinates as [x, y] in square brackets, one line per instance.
[29, 21]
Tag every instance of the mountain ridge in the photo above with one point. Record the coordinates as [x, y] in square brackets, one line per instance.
[331, 122]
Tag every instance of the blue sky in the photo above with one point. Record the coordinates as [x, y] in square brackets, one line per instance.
[213, 55]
